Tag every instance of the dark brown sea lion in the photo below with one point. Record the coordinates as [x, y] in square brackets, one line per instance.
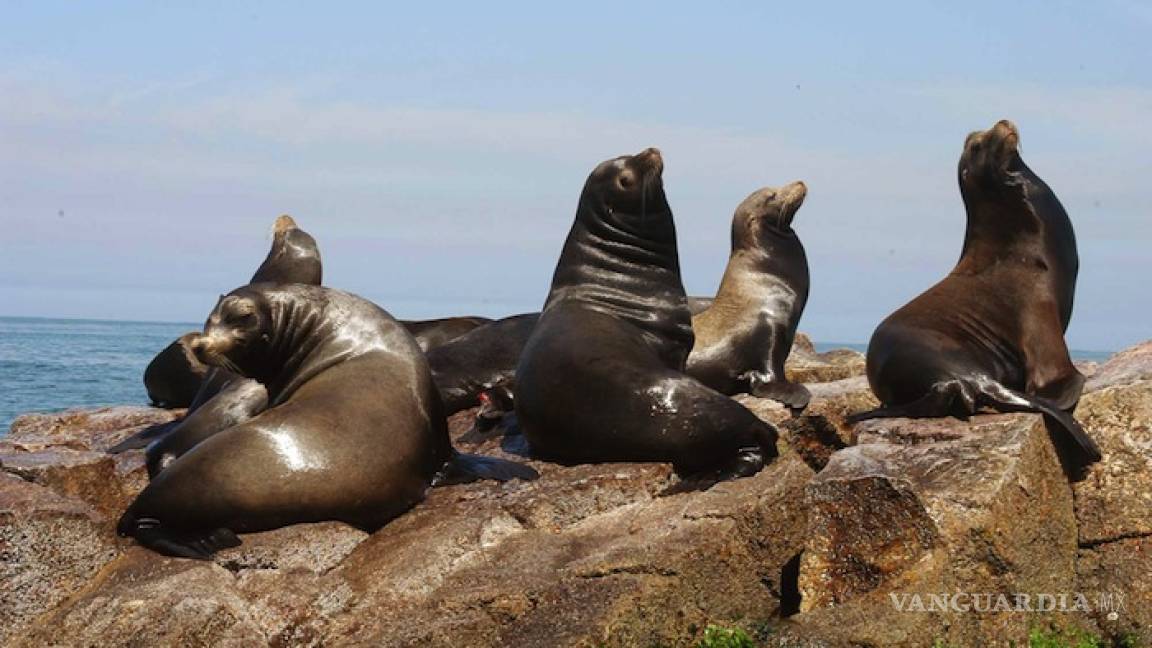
[602, 376]
[174, 377]
[991, 333]
[482, 359]
[355, 430]
[293, 258]
[432, 333]
[239, 400]
[743, 339]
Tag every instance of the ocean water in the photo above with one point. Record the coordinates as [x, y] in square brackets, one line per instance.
[52, 364]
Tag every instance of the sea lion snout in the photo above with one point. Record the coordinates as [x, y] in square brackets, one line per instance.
[649, 160]
[283, 224]
[795, 193]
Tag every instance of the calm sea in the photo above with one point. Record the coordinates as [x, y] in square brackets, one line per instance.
[51, 364]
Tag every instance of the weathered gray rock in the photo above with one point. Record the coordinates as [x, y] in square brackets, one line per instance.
[1114, 500]
[930, 506]
[94, 430]
[1128, 366]
[50, 547]
[805, 365]
[1115, 576]
[846, 518]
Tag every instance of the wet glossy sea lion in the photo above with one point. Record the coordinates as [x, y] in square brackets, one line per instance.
[174, 377]
[991, 333]
[355, 430]
[744, 337]
[602, 376]
[239, 400]
[432, 333]
[293, 258]
[482, 359]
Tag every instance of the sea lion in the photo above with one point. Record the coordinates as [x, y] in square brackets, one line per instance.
[991, 333]
[432, 333]
[215, 381]
[239, 400]
[602, 376]
[482, 359]
[293, 258]
[743, 339]
[355, 430]
[173, 377]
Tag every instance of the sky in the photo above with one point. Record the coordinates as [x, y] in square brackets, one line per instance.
[436, 151]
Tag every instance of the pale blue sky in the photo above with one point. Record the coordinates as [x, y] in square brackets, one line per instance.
[437, 151]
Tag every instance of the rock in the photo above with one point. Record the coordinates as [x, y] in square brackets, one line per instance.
[1114, 577]
[1130, 365]
[144, 599]
[89, 476]
[315, 548]
[805, 365]
[809, 552]
[1114, 500]
[93, 430]
[929, 506]
[51, 547]
[483, 573]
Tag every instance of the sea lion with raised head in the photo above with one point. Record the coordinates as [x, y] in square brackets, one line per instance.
[744, 337]
[355, 430]
[602, 376]
[990, 334]
[174, 377]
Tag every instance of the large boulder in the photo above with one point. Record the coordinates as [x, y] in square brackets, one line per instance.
[51, 546]
[1114, 504]
[926, 507]
[1128, 366]
[805, 365]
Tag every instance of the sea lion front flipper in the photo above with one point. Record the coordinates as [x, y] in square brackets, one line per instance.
[464, 468]
[142, 438]
[794, 395]
[150, 533]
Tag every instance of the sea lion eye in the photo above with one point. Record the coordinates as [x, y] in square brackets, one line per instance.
[626, 181]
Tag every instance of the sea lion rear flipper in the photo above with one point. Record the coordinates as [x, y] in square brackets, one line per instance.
[1074, 437]
[794, 395]
[151, 534]
[463, 468]
[142, 438]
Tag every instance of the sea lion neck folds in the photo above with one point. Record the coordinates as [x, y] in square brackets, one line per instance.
[621, 253]
[601, 376]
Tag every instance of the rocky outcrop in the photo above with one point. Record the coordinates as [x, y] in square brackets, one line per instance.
[843, 540]
[805, 365]
[1128, 366]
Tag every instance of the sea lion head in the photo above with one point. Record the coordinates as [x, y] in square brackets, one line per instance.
[284, 224]
[991, 159]
[768, 211]
[235, 333]
[630, 186]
